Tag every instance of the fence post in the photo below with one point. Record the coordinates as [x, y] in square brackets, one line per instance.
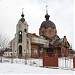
[25, 58]
[1, 58]
[11, 58]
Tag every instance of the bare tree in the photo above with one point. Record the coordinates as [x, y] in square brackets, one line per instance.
[3, 42]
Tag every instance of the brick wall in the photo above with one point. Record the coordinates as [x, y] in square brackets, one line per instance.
[33, 46]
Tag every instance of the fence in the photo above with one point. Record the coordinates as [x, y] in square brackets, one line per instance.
[61, 62]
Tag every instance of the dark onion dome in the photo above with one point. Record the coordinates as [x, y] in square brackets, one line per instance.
[46, 24]
[22, 15]
[22, 19]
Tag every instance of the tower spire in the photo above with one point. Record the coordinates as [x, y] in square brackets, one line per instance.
[22, 10]
[46, 9]
[22, 13]
[22, 19]
[47, 16]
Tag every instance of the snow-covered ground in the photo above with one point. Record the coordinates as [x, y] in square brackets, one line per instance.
[7, 68]
[18, 66]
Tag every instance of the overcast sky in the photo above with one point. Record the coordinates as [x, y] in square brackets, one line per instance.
[61, 13]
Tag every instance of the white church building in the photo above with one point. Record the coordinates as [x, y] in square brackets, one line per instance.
[20, 42]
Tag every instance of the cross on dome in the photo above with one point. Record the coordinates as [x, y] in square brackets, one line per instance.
[22, 10]
[22, 13]
[47, 16]
[22, 19]
[46, 9]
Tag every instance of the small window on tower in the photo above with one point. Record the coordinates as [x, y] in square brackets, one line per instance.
[25, 30]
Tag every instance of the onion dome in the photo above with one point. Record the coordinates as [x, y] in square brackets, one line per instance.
[22, 19]
[46, 24]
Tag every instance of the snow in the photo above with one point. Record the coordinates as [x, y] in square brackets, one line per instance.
[68, 63]
[34, 66]
[8, 68]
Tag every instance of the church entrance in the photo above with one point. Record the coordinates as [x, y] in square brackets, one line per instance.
[20, 50]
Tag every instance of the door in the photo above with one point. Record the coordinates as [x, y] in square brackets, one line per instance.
[20, 50]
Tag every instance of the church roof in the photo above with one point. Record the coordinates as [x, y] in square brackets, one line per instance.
[55, 36]
[32, 35]
[58, 42]
[46, 24]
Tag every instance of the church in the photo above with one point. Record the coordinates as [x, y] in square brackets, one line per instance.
[47, 43]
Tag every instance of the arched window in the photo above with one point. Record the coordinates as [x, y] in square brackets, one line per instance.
[20, 36]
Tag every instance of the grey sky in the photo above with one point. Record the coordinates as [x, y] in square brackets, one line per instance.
[61, 13]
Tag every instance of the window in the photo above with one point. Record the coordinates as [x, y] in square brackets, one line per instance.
[35, 51]
[25, 30]
[50, 50]
[41, 50]
[11, 54]
[20, 36]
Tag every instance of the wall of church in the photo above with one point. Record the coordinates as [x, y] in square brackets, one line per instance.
[22, 26]
[50, 32]
[16, 44]
[34, 50]
[14, 51]
[19, 45]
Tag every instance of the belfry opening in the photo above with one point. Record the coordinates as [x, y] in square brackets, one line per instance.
[20, 36]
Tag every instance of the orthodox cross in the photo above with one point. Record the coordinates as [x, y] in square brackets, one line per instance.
[46, 9]
[22, 10]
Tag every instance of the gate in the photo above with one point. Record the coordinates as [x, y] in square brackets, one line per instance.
[74, 62]
[50, 61]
